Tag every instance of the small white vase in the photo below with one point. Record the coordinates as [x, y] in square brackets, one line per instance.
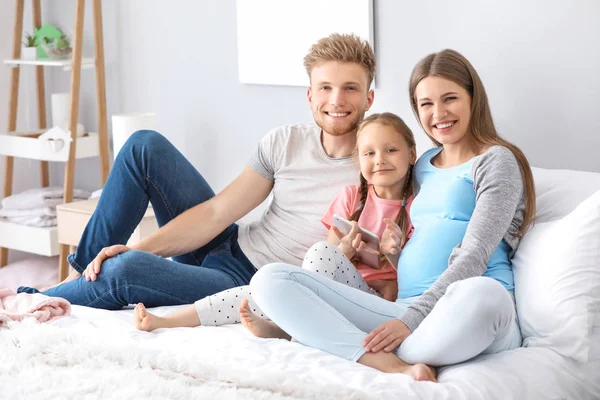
[29, 53]
[124, 125]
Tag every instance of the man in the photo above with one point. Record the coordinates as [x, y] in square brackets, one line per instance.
[303, 165]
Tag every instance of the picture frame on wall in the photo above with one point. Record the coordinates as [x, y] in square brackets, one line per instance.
[274, 35]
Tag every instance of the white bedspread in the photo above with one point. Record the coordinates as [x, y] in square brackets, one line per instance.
[99, 354]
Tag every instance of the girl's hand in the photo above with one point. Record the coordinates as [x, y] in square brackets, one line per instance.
[391, 241]
[387, 336]
[352, 242]
[93, 268]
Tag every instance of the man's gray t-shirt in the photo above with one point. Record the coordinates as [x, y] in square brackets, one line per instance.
[305, 182]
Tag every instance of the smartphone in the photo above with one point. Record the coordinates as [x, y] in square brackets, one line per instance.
[370, 239]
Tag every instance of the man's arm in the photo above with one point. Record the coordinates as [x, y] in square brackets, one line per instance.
[202, 223]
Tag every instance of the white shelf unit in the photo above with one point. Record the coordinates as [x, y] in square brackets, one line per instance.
[27, 145]
[30, 239]
[14, 144]
[86, 63]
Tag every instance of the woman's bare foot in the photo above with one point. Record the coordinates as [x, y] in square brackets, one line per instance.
[144, 320]
[389, 362]
[422, 372]
[258, 326]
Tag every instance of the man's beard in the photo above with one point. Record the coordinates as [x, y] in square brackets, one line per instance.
[338, 129]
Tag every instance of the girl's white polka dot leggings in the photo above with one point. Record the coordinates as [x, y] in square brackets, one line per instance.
[323, 258]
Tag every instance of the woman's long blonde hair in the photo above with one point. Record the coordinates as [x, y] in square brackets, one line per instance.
[389, 119]
[451, 65]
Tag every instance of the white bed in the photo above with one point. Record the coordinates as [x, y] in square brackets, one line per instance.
[99, 354]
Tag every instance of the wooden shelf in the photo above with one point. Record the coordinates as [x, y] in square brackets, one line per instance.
[86, 63]
[27, 145]
[29, 239]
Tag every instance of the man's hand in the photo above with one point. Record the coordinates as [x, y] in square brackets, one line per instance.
[93, 268]
[387, 336]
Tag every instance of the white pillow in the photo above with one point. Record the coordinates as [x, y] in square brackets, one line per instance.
[559, 191]
[557, 282]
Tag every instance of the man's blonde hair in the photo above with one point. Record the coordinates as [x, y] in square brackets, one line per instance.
[344, 48]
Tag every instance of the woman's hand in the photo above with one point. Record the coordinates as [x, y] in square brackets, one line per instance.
[388, 336]
[351, 243]
[93, 268]
[391, 241]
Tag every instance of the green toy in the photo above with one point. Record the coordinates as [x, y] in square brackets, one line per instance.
[49, 32]
[57, 48]
[62, 43]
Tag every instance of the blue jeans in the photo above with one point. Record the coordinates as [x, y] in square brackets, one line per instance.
[475, 316]
[150, 169]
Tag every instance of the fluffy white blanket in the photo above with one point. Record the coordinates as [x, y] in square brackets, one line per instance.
[47, 362]
[97, 354]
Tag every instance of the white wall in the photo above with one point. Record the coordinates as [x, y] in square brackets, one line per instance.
[181, 61]
[538, 60]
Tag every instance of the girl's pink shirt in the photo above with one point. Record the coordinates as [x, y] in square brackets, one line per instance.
[375, 210]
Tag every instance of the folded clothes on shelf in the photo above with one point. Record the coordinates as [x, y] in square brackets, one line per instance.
[37, 207]
[41, 197]
[39, 221]
[30, 212]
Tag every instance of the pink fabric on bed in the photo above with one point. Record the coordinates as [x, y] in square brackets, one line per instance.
[15, 307]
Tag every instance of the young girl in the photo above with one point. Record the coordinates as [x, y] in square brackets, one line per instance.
[474, 200]
[386, 155]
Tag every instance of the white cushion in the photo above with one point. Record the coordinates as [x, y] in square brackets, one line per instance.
[559, 191]
[557, 281]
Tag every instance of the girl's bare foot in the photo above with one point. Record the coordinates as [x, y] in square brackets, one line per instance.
[144, 320]
[258, 326]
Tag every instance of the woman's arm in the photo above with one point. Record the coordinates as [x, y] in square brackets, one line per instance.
[499, 200]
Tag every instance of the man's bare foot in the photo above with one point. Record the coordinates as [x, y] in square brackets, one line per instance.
[144, 320]
[72, 276]
[258, 326]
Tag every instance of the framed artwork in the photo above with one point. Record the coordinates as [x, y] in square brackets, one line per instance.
[275, 35]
